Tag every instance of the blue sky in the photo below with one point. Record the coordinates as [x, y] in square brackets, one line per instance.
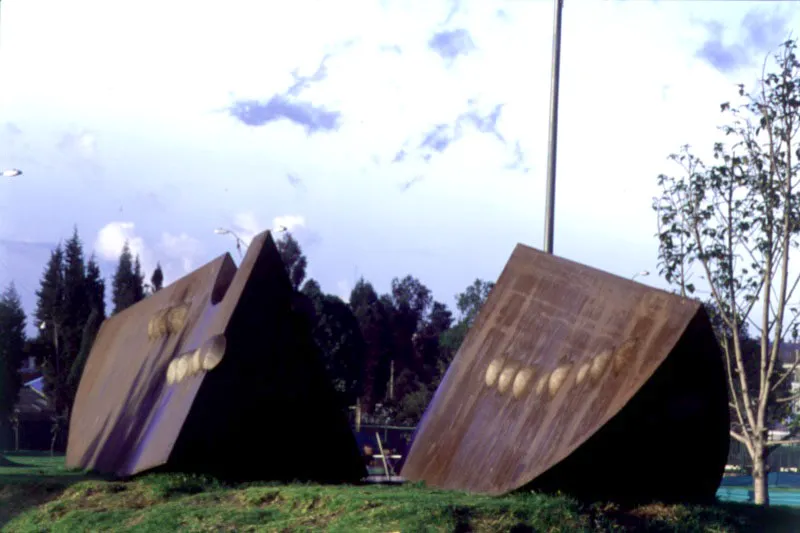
[392, 137]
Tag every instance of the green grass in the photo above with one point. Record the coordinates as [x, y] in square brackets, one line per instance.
[40, 495]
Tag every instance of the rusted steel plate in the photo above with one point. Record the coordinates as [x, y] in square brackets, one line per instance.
[577, 380]
[215, 373]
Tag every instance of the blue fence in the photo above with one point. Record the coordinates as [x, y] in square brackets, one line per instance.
[784, 489]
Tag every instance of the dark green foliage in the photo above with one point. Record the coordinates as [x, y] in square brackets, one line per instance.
[373, 319]
[50, 316]
[12, 352]
[293, 259]
[96, 288]
[128, 282]
[337, 333]
[69, 311]
[157, 279]
[138, 280]
[76, 300]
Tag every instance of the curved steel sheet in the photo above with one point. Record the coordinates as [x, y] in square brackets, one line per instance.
[557, 351]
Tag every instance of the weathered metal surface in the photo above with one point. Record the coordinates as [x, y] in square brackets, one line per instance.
[577, 380]
[215, 373]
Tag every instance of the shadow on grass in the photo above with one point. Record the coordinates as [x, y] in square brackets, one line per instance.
[29, 479]
[6, 462]
[34, 453]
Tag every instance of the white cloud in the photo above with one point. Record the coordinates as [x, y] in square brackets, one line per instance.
[247, 226]
[182, 248]
[111, 239]
[83, 143]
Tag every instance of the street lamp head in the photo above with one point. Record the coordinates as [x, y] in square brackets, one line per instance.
[11, 172]
[221, 231]
[644, 273]
[42, 325]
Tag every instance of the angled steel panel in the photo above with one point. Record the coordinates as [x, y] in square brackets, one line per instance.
[164, 374]
[562, 368]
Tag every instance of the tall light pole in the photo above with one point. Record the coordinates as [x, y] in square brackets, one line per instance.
[551, 156]
[239, 241]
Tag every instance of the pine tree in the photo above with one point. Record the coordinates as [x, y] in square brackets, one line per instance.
[12, 347]
[96, 288]
[51, 317]
[76, 298]
[124, 283]
[157, 280]
[138, 281]
[49, 307]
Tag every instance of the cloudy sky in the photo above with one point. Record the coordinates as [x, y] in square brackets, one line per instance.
[392, 137]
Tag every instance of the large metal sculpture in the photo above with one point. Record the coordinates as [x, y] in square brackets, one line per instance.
[216, 373]
[575, 380]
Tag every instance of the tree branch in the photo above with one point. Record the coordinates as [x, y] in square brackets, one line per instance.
[739, 437]
[787, 399]
[789, 372]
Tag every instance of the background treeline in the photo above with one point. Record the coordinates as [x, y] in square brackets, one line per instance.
[385, 353]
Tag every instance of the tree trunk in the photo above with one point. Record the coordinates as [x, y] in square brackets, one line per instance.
[760, 490]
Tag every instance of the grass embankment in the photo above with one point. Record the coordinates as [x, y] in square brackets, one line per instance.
[40, 495]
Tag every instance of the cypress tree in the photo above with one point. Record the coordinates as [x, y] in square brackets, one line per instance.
[49, 316]
[96, 288]
[138, 281]
[76, 298]
[157, 280]
[12, 348]
[124, 286]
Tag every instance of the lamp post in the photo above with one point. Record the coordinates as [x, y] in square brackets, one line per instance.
[643, 274]
[549, 217]
[11, 173]
[239, 241]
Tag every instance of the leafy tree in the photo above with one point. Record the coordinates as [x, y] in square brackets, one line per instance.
[337, 333]
[312, 289]
[428, 345]
[407, 306]
[472, 299]
[157, 279]
[468, 303]
[374, 321]
[12, 349]
[128, 282]
[421, 384]
[736, 221]
[293, 259]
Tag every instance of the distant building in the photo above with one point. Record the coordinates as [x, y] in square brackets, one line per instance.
[787, 357]
[29, 370]
[33, 410]
[35, 416]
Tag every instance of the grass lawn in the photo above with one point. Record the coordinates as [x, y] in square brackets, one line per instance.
[38, 494]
